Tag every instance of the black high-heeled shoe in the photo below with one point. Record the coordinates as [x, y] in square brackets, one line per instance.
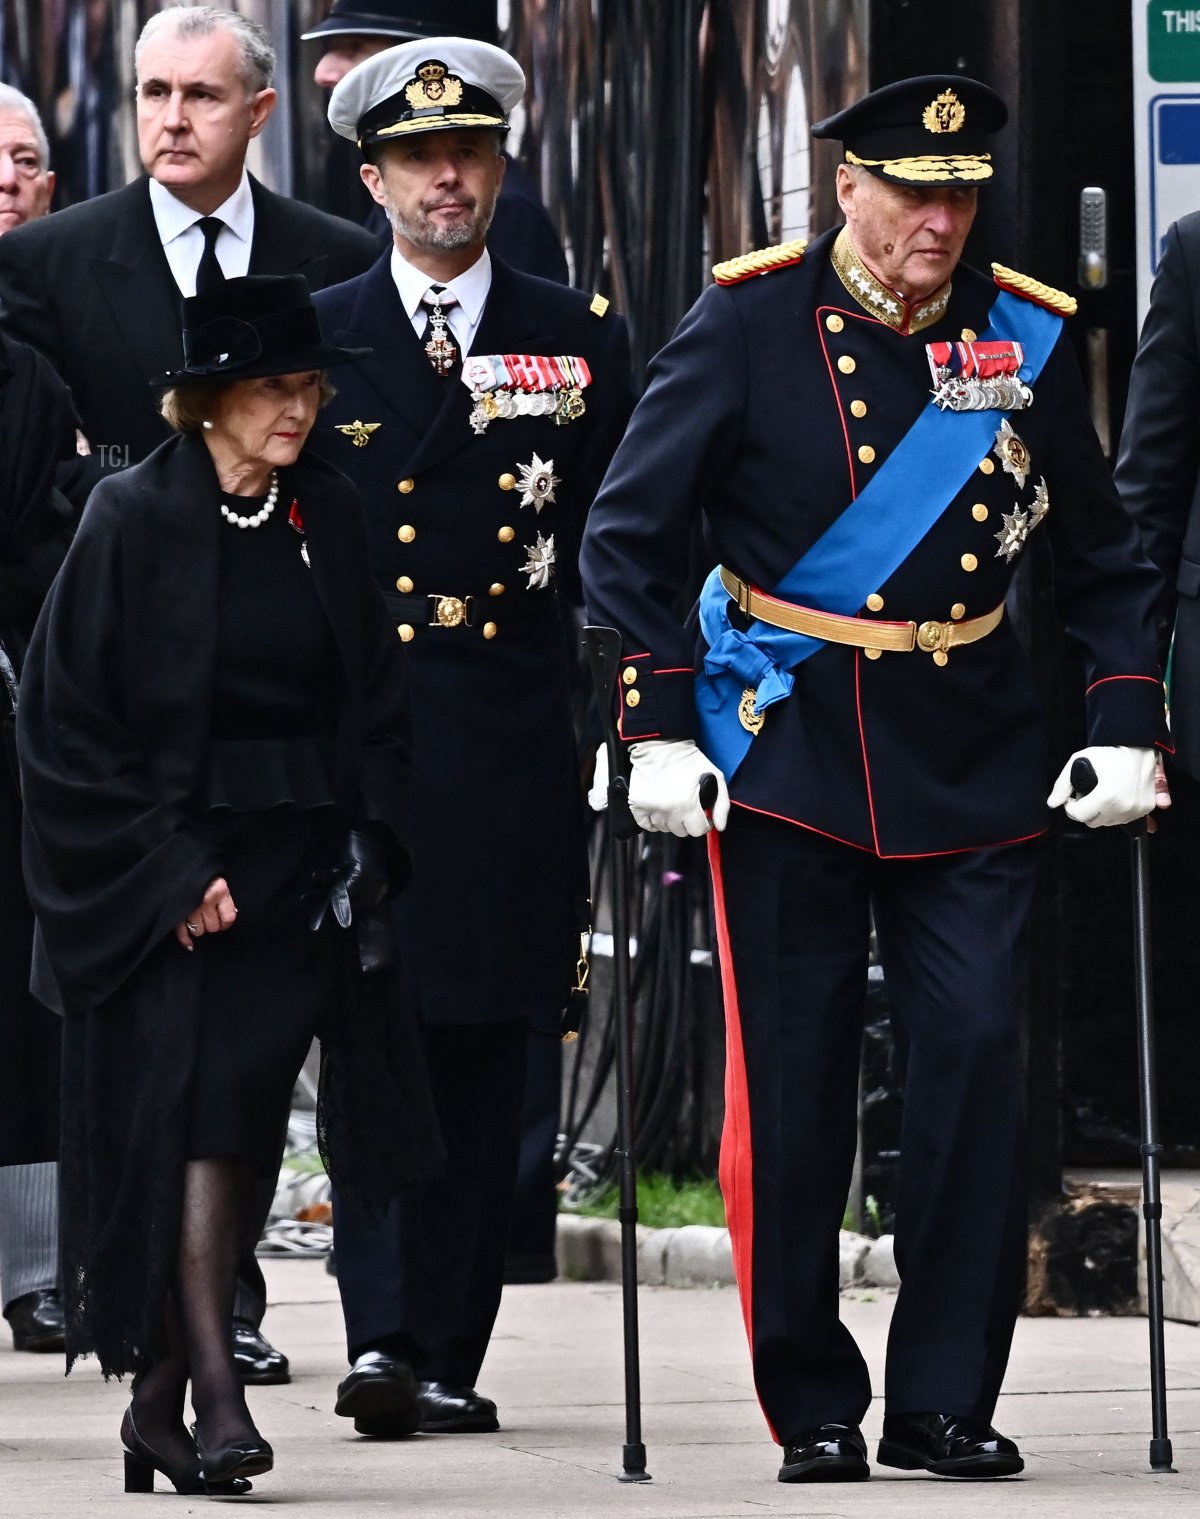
[234, 1461]
[142, 1461]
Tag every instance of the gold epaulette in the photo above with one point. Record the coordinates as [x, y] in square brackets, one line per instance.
[1033, 290]
[761, 261]
[599, 305]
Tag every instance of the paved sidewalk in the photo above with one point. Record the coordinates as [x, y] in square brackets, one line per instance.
[1076, 1402]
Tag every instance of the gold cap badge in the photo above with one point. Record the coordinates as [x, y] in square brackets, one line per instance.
[433, 87]
[945, 114]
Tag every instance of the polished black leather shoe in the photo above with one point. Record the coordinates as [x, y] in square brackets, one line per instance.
[947, 1446]
[380, 1395]
[447, 1410]
[258, 1362]
[832, 1453]
[36, 1320]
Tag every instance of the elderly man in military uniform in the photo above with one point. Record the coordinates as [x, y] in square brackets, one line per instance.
[478, 434]
[873, 432]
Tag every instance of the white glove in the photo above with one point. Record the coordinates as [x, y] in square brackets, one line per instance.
[1124, 787]
[598, 791]
[664, 788]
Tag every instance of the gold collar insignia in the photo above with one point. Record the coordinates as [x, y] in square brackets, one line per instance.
[875, 298]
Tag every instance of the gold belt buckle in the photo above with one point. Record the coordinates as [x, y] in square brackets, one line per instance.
[448, 612]
[934, 638]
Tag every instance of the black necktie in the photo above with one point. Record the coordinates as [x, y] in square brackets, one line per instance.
[209, 273]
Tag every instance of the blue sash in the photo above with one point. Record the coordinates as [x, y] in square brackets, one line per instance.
[860, 551]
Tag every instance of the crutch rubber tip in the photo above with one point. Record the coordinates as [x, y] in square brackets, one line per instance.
[1161, 1459]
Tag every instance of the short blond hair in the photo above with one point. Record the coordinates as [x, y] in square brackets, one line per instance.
[186, 408]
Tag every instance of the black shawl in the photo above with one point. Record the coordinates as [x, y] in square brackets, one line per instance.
[113, 733]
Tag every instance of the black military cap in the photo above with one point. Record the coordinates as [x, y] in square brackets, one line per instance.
[932, 130]
[403, 19]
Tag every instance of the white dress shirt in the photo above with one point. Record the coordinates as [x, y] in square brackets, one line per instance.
[183, 241]
[470, 294]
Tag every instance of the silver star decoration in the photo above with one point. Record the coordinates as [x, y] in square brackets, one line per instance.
[1012, 453]
[1011, 537]
[537, 483]
[540, 564]
[1041, 502]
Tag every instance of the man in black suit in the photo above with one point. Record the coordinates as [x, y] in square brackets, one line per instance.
[97, 287]
[521, 233]
[1158, 476]
[97, 290]
[477, 433]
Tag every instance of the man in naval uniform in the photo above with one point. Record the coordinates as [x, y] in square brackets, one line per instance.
[478, 434]
[857, 686]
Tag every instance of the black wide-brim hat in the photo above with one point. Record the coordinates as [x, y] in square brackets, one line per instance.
[251, 328]
[402, 19]
[932, 130]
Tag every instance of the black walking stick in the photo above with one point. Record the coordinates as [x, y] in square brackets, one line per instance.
[603, 647]
[1083, 780]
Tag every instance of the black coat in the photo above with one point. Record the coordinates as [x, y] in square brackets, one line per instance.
[91, 289]
[774, 404]
[37, 430]
[495, 863]
[113, 735]
[1158, 470]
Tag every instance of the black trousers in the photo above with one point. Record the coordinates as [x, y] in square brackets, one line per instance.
[792, 912]
[425, 1283]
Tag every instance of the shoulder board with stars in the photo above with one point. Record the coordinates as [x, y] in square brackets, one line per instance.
[1033, 290]
[762, 261]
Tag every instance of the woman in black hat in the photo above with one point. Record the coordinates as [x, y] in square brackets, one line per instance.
[213, 753]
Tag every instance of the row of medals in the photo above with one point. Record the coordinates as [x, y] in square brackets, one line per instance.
[564, 405]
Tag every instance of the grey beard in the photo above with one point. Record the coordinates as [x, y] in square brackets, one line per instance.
[424, 234]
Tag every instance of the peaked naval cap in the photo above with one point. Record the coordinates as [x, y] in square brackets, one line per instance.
[432, 84]
[932, 130]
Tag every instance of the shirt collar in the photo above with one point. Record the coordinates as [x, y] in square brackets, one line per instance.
[173, 218]
[470, 288]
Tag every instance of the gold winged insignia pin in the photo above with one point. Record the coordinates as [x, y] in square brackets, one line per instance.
[359, 433]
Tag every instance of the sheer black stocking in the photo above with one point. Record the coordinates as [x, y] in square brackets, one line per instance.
[216, 1195]
[158, 1398]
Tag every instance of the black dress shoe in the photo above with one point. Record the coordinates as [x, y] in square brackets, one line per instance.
[142, 1461]
[832, 1453]
[447, 1410]
[947, 1446]
[37, 1320]
[380, 1395]
[258, 1361]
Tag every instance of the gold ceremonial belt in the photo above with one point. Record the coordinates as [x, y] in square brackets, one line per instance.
[934, 638]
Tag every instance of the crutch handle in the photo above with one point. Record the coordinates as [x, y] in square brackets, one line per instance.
[1085, 779]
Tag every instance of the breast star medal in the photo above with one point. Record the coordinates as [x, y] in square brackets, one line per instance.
[1019, 523]
[540, 564]
[537, 482]
[1012, 453]
[359, 433]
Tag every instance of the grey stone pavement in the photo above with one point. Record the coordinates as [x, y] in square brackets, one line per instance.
[1076, 1401]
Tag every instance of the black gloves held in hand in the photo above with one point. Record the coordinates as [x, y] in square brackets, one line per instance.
[356, 890]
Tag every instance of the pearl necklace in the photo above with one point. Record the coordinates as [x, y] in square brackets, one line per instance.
[262, 514]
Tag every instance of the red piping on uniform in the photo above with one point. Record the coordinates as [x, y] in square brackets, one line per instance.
[736, 1166]
[626, 657]
[1104, 680]
[675, 670]
[928, 854]
[837, 401]
[862, 738]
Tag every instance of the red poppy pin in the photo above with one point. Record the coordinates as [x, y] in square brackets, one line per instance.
[294, 518]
